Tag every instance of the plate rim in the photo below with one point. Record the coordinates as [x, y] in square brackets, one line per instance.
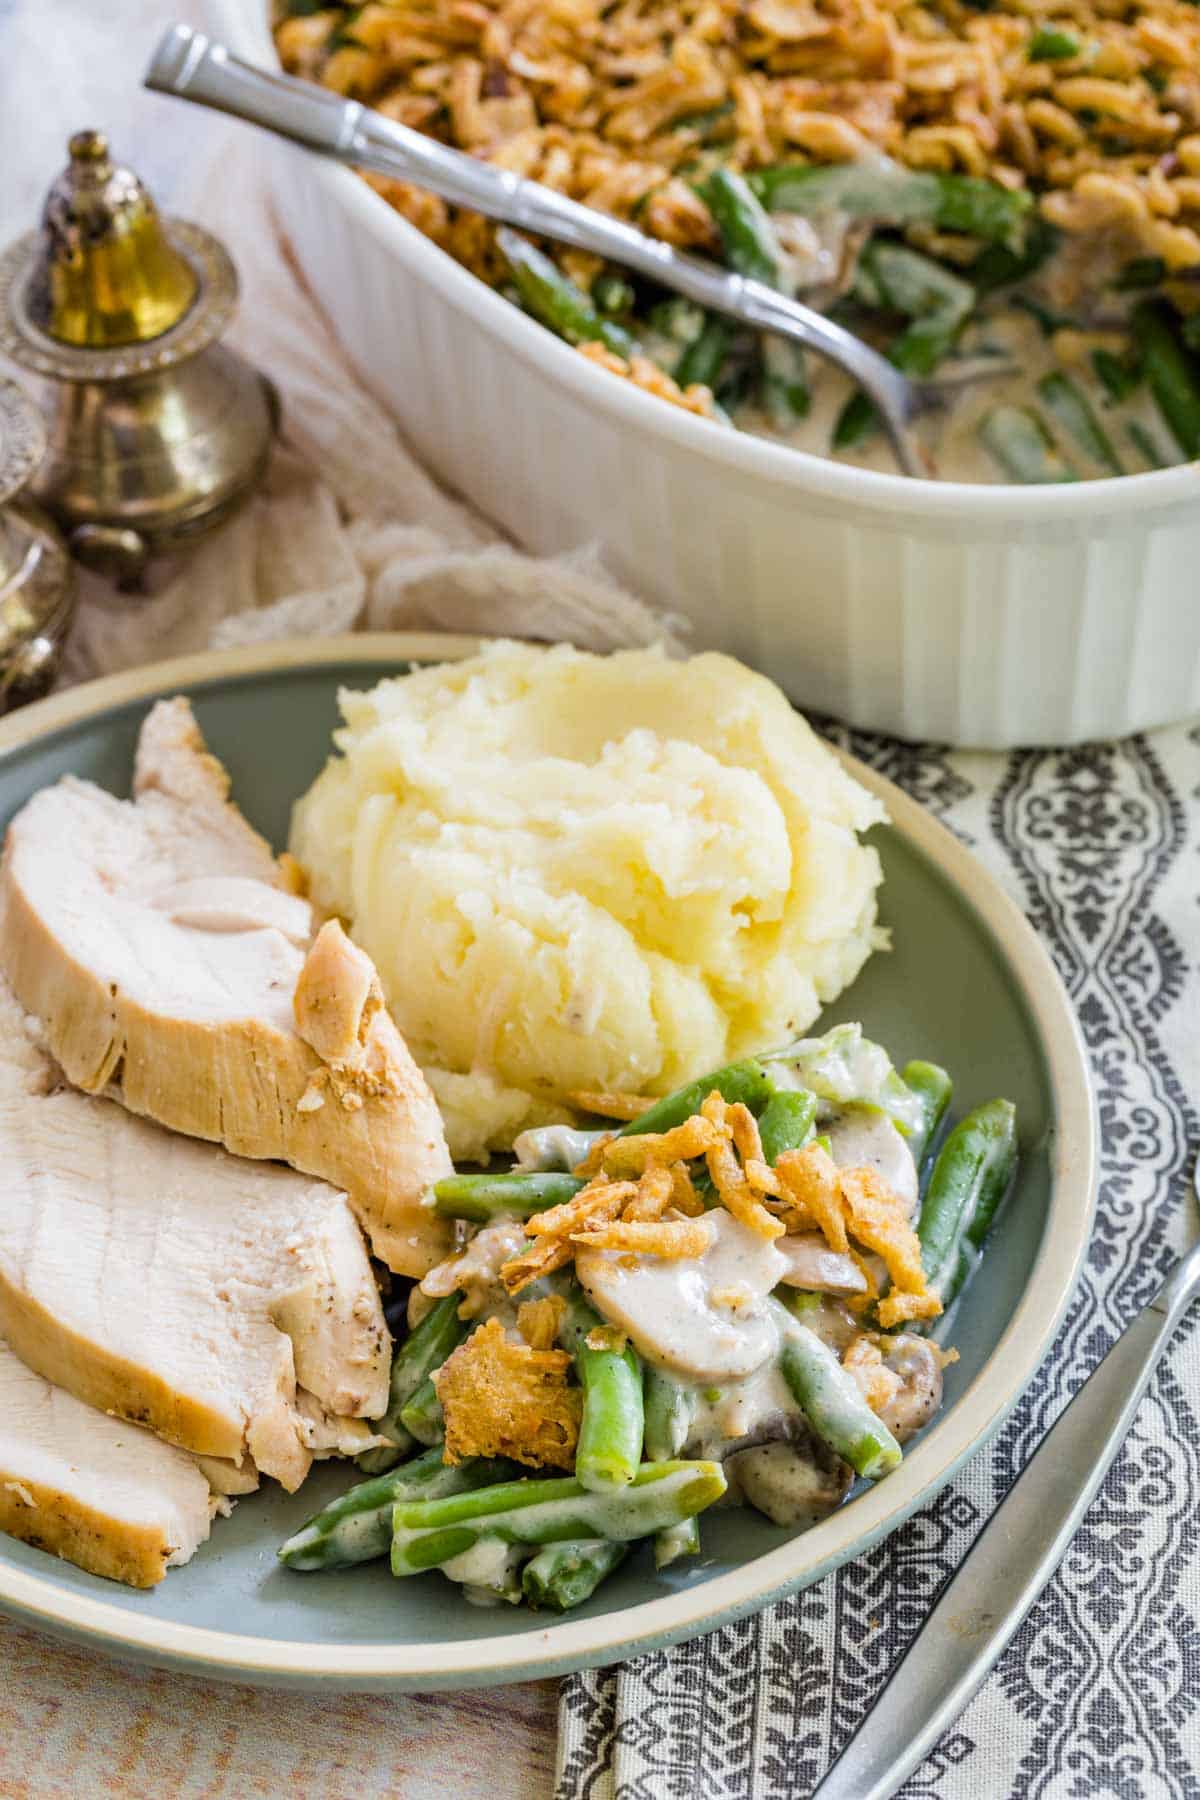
[804, 1559]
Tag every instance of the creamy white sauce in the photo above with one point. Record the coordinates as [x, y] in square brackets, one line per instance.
[862, 1137]
[704, 1317]
[488, 1572]
[553, 1147]
[844, 1068]
[738, 1410]
[950, 435]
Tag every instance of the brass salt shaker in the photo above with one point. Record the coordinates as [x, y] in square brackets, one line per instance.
[156, 432]
[37, 581]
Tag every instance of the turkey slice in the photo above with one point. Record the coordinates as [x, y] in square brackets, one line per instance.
[166, 1282]
[97, 1491]
[159, 944]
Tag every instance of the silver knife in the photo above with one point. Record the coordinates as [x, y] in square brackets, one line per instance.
[1012, 1559]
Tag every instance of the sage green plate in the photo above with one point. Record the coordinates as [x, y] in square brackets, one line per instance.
[966, 983]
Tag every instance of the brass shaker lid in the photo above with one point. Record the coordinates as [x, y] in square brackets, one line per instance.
[105, 270]
[106, 288]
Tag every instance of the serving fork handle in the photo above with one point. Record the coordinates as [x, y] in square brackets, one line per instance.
[1010, 1562]
[189, 65]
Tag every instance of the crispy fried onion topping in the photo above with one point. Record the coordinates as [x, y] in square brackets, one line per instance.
[503, 1398]
[858, 1205]
[640, 1198]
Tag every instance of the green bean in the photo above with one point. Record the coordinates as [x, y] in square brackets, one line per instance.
[917, 286]
[1145, 445]
[1171, 373]
[555, 300]
[678, 319]
[357, 1526]
[426, 1534]
[1141, 272]
[422, 1416]
[1050, 43]
[834, 1407]
[669, 1406]
[937, 302]
[675, 1541]
[1119, 375]
[747, 1082]
[1048, 319]
[800, 1302]
[482, 1198]
[612, 294]
[970, 1178]
[751, 249]
[787, 1122]
[933, 1088]
[1073, 411]
[1022, 446]
[609, 1452]
[424, 1349]
[565, 1575]
[747, 235]
[999, 265]
[705, 357]
[382, 1458]
[785, 390]
[890, 194]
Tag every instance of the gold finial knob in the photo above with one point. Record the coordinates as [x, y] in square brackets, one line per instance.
[105, 273]
[88, 146]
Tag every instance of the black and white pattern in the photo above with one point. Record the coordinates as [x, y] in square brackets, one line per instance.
[1098, 1696]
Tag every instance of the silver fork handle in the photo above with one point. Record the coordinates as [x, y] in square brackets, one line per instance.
[1010, 1562]
[191, 66]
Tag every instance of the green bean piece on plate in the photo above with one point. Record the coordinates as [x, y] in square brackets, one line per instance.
[424, 1349]
[831, 1401]
[357, 1526]
[972, 1173]
[609, 1452]
[564, 1575]
[482, 1198]
[426, 1534]
[933, 1088]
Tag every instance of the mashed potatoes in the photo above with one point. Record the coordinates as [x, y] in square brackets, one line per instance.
[589, 872]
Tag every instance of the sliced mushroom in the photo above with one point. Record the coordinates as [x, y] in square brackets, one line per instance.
[705, 1317]
[919, 1395]
[812, 1264]
[794, 1483]
[863, 1137]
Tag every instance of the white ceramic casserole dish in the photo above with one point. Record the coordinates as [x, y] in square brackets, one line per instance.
[980, 616]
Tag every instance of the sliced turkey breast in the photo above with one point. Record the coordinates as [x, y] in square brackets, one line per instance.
[159, 944]
[169, 1283]
[103, 1494]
